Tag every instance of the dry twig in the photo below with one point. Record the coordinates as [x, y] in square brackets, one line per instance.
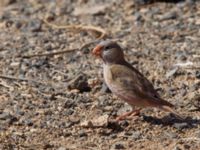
[50, 54]
[101, 33]
[19, 79]
[61, 52]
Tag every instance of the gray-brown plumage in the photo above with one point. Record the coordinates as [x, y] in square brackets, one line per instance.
[126, 82]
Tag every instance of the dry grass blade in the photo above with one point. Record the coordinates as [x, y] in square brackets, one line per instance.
[62, 52]
[50, 54]
[19, 79]
[99, 32]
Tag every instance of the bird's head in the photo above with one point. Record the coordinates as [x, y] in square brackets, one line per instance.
[109, 51]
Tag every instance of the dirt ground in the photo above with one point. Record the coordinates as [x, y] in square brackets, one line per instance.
[59, 101]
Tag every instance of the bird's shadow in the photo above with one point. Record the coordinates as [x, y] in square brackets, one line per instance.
[165, 1]
[170, 120]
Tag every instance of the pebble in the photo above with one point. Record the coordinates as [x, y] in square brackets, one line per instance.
[34, 25]
[62, 148]
[181, 126]
[169, 15]
[142, 2]
[170, 135]
[82, 133]
[117, 146]
[197, 74]
[104, 88]
[136, 135]
[80, 83]
[5, 116]
[8, 118]
[172, 72]
[69, 103]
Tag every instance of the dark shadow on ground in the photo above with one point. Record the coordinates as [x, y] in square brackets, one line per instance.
[159, 1]
[188, 122]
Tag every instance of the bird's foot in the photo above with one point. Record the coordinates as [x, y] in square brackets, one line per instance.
[128, 115]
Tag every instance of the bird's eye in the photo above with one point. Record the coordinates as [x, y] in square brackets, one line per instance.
[107, 48]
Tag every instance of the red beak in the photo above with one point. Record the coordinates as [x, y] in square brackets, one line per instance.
[97, 50]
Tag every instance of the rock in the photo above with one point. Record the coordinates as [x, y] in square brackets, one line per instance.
[6, 2]
[142, 2]
[136, 135]
[180, 55]
[104, 88]
[34, 25]
[80, 83]
[117, 146]
[196, 101]
[181, 126]
[124, 109]
[169, 15]
[28, 122]
[68, 124]
[69, 103]
[194, 87]
[90, 10]
[197, 74]
[170, 135]
[101, 121]
[62, 148]
[68, 112]
[5, 116]
[172, 72]
[186, 146]
[82, 133]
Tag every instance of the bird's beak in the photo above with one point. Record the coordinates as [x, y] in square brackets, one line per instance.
[97, 50]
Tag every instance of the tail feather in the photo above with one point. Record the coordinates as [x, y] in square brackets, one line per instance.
[171, 110]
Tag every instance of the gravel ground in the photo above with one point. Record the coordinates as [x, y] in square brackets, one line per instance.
[60, 101]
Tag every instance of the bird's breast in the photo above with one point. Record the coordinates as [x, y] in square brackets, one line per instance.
[108, 76]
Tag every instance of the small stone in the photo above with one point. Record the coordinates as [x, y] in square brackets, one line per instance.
[187, 146]
[33, 130]
[28, 122]
[5, 116]
[117, 146]
[197, 74]
[104, 88]
[8, 117]
[142, 2]
[172, 72]
[68, 112]
[69, 103]
[170, 135]
[7, 2]
[135, 135]
[169, 15]
[181, 126]
[68, 124]
[80, 83]
[82, 133]
[34, 25]
[62, 148]
[101, 121]
[88, 10]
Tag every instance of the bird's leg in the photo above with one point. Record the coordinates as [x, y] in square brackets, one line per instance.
[128, 114]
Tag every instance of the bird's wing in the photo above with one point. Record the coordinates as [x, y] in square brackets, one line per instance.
[130, 83]
[126, 79]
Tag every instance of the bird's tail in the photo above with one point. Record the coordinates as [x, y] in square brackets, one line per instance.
[171, 110]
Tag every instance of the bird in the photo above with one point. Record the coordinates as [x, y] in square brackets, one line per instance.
[127, 83]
